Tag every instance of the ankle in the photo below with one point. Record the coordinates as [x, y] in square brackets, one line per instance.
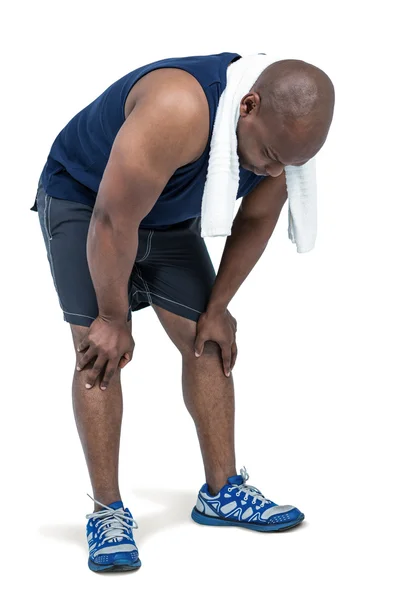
[106, 499]
[215, 484]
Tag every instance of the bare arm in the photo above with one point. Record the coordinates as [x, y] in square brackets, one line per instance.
[252, 228]
[150, 146]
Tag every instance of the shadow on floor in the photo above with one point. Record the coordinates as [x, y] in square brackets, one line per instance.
[175, 509]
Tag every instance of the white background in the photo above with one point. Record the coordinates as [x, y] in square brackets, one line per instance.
[317, 375]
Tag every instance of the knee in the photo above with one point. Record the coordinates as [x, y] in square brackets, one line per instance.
[78, 334]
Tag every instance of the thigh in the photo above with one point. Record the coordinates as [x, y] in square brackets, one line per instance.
[180, 330]
[177, 273]
[65, 225]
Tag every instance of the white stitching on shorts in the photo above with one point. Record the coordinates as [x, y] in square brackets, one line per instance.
[145, 285]
[50, 253]
[78, 315]
[164, 298]
[45, 217]
[148, 247]
[137, 292]
[180, 304]
[48, 217]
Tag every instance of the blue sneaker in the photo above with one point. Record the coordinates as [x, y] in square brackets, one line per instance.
[110, 539]
[242, 505]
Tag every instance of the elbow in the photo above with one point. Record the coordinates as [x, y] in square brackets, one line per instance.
[112, 223]
[106, 220]
[102, 217]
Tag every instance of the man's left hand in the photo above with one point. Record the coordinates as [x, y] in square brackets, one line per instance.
[219, 327]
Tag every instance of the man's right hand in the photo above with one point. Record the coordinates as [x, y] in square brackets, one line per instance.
[110, 344]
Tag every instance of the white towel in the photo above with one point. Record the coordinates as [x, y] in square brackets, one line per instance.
[222, 182]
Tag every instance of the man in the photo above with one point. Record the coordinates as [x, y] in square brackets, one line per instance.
[119, 204]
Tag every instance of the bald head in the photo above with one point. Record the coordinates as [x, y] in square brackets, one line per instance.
[288, 112]
[295, 88]
[301, 93]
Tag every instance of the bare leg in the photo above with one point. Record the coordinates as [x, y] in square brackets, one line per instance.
[98, 417]
[209, 398]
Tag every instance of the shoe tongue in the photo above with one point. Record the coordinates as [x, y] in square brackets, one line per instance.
[117, 504]
[235, 479]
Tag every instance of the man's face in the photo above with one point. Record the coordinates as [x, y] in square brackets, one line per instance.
[266, 144]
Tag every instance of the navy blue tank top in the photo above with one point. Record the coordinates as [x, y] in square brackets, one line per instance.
[79, 154]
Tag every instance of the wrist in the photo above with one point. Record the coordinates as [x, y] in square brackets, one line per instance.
[216, 308]
[115, 309]
[114, 317]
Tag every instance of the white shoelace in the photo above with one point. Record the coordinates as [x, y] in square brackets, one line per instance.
[112, 523]
[249, 490]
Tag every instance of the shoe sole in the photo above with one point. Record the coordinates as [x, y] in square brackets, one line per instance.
[203, 519]
[115, 567]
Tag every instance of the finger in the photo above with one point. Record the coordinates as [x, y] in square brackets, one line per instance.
[86, 359]
[111, 368]
[94, 372]
[126, 358]
[234, 354]
[226, 359]
[199, 346]
[83, 344]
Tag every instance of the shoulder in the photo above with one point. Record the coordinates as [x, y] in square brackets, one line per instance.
[179, 99]
[168, 83]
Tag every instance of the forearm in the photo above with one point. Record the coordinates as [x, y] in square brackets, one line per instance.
[111, 251]
[243, 249]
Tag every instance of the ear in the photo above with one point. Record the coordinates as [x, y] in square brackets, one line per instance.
[248, 104]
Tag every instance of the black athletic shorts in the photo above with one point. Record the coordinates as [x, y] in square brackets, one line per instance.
[172, 270]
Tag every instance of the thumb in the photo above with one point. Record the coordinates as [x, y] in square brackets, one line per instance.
[125, 359]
